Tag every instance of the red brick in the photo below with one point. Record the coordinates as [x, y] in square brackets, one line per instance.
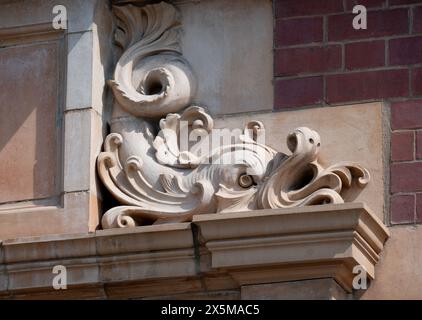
[406, 177]
[417, 81]
[367, 85]
[402, 209]
[401, 2]
[419, 145]
[406, 51]
[298, 92]
[419, 208]
[365, 54]
[417, 19]
[367, 3]
[380, 24]
[406, 115]
[292, 8]
[402, 146]
[307, 60]
[298, 31]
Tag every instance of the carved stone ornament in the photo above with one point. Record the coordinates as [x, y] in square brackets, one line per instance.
[158, 180]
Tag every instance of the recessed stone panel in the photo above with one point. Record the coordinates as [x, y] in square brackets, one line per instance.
[29, 102]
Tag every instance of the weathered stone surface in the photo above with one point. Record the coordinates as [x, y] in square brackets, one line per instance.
[80, 13]
[29, 126]
[32, 220]
[83, 141]
[294, 244]
[61, 141]
[318, 289]
[172, 182]
[139, 262]
[229, 86]
[353, 133]
[47, 247]
[399, 273]
[79, 79]
[229, 30]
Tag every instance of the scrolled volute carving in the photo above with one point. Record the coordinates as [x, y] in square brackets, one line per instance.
[160, 161]
[151, 77]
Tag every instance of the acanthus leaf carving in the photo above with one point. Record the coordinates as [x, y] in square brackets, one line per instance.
[157, 179]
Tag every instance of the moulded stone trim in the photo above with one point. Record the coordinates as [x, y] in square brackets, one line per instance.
[79, 14]
[121, 241]
[38, 275]
[148, 266]
[225, 252]
[295, 243]
[49, 247]
[316, 289]
[29, 34]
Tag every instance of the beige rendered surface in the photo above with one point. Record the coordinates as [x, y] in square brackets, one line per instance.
[399, 273]
[215, 33]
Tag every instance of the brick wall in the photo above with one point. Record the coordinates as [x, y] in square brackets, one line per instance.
[320, 60]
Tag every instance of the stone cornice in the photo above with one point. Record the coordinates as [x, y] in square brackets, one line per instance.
[293, 244]
[220, 252]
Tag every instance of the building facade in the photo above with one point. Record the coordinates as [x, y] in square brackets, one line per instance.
[210, 149]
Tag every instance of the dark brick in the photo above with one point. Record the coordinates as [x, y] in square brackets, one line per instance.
[402, 146]
[298, 31]
[292, 8]
[367, 3]
[366, 54]
[419, 145]
[367, 85]
[307, 60]
[419, 208]
[403, 2]
[402, 209]
[406, 51]
[406, 115]
[417, 19]
[406, 177]
[417, 81]
[298, 92]
[380, 24]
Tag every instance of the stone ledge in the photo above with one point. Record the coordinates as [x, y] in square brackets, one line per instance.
[295, 244]
[317, 289]
[230, 251]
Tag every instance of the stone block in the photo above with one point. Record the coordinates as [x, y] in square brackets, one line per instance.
[29, 126]
[80, 70]
[226, 29]
[318, 289]
[83, 140]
